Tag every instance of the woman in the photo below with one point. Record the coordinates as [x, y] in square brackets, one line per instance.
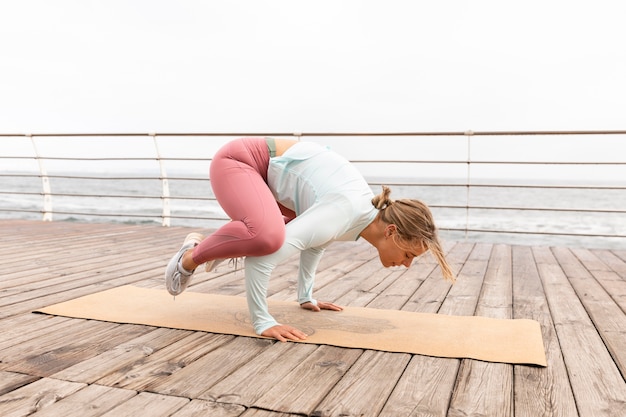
[285, 197]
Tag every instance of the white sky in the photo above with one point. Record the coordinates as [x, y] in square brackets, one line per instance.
[323, 65]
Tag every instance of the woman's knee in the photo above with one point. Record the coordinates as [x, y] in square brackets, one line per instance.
[269, 242]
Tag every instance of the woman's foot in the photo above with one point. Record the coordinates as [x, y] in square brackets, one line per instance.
[178, 278]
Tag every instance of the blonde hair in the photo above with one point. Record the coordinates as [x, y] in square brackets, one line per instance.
[415, 226]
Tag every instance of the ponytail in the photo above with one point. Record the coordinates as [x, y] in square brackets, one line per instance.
[382, 200]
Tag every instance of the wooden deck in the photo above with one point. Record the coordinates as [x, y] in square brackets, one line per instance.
[56, 366]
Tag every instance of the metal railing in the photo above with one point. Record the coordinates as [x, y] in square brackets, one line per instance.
[463, 183]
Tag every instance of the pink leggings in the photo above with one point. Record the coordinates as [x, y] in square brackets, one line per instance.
[239, 180]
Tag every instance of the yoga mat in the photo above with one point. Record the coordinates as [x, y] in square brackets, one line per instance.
[495, 340]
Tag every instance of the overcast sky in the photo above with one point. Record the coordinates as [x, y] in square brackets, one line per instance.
[323, 65]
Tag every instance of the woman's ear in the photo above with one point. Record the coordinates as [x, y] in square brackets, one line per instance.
[390, 229]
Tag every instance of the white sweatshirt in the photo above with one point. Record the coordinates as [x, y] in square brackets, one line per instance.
[332, 201]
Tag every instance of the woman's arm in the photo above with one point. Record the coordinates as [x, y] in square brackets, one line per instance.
[315, 228]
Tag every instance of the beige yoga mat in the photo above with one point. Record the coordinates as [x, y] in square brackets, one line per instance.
[495, 340]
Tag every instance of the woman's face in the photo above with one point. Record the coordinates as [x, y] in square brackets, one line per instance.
[391, 254]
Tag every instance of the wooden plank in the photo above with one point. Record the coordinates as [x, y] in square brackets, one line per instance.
[284, 278]
[13, 328]
[271, 365]
[424, 389]
[615, 263]
[494, 381]
[300, 391]
[31, 283]
[46, 236]
[116, 271]
[76, 257]
[91, 401]
[148, 404]
[431, 294]
[202, 408]
[335, 264]
[608, 318]
[587, 258]
[347, 282]
[620, 254]
[10, 381]
[101, 272]
[165, 362]
[70, 290]
[121, 357]
[369, 288]
[408, 280]
[199, 376]
[76, 253]
[598, 387]
[397, 294]
[55, 339]
[76, 350]
[608, 277]
[538, 391]
[365, 387]
[36, 397]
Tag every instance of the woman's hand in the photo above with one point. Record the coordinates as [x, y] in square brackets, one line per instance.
[321, 305]
[283, 333]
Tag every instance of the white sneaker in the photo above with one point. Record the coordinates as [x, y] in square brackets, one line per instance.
[178, 278]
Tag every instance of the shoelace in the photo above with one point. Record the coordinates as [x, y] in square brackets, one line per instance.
[176, 280]
[234, 262]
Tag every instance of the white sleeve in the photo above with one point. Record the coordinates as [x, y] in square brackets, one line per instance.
[258, 270]
[309, 260]
[308, 233]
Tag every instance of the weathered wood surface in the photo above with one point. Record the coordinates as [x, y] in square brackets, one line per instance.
[56, 366]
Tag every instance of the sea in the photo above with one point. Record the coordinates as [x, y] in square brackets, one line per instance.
[513, 212]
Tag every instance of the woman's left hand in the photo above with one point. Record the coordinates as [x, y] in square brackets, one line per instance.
[321, 305]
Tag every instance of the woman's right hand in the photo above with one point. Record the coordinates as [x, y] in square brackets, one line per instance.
[284, 333]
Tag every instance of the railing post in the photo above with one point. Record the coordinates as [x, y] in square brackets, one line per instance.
[468, 135]
[45, 183]
[165, 186]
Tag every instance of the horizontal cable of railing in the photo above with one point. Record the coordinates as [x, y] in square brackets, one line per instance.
[433, 206]
[116, 215]
[488, 185]
[104, 178]
[130, 196]
[355, 161]
[388, 183]
[535, 232]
